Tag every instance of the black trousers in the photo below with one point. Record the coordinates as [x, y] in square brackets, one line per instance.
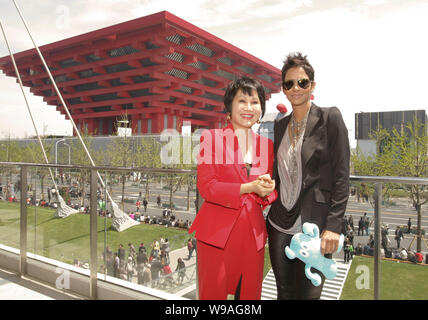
[291, 281]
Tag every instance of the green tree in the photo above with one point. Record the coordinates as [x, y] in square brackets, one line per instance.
[149, 157]
[80, 157]
[10, 151]
[409, 149]
[399, 153]
[123, 151]
[33, 153]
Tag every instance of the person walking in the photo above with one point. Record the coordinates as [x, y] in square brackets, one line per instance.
[129, 269]
[181, 268]
[366, 224]
[121, 254]
[147, 274]
[361, 226]
[140, 273]
[351, 251]
[384, 234]
[351, 222]
[155, 269]
[409, 225]
[346, 251]
[116, 265]
[190, 248]
[398, 236]
[145, 203]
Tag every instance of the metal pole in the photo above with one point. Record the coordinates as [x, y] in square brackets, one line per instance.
[377, 236]
[69, 158]
[35, 209]
[105, 227]
[56, 155]
[93, 236]
[23, 223]
[197, 270]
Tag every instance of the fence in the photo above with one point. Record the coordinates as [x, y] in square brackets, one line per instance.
[19, 237]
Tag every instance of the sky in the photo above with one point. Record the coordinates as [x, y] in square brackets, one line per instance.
[368, 55]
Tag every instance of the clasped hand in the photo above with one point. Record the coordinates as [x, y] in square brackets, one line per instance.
[262, 186]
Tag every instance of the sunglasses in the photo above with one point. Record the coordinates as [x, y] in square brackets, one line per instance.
[302, 83]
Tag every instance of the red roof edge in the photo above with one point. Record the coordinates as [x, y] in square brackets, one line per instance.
[149, 20]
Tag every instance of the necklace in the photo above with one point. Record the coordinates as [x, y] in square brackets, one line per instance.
[297, 128]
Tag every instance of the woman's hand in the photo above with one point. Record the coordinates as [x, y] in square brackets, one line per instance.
[265, 180]
[262, 186]
[329, 242]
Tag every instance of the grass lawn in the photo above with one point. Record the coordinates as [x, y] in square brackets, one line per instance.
[399, 281]
[267, 265]
[68, 239]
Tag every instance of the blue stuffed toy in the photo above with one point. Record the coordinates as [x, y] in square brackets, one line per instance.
[307, 247]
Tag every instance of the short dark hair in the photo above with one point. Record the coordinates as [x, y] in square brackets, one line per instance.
[246, 85]
[297, 59]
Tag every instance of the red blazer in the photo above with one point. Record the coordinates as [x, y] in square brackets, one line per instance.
[221, 171]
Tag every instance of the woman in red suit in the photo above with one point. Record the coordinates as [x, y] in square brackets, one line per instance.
[234, 179]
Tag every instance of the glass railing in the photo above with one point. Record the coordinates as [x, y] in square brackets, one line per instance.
[386, 259]
[89, 238]
[89, 241]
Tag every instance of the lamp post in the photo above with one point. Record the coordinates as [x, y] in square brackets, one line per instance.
[56, 155]
[69, 153]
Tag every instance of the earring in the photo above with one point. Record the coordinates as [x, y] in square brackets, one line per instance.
[258, 121]
[312, 97]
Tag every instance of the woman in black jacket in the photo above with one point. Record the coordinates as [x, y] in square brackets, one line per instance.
[311, 171]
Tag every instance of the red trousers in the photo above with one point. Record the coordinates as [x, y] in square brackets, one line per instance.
[219, 270]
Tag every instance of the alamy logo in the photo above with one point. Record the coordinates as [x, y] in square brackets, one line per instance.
[363, 281]
[218, 146]
[63, 281]
[63, 20]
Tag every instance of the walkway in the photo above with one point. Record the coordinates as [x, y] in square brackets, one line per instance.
[332, 289]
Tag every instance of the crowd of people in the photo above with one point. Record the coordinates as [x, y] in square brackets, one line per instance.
[387, 250]
[150, 266]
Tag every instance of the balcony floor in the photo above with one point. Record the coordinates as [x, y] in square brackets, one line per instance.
[12, 287]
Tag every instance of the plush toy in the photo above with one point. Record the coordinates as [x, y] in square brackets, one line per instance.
[307, 247]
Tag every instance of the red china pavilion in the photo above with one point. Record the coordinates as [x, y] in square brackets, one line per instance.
[159, 70]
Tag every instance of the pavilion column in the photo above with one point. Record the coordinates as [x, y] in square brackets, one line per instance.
[134, 123]
[179, 122]
[157, 123]
[144, 125]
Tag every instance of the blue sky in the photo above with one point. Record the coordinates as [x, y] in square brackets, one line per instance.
[368, 55]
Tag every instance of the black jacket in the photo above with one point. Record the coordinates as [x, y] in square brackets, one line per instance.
[325, 172]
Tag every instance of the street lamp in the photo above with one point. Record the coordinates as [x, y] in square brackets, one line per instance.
[56, 155]
[69, 153]
[69, 148]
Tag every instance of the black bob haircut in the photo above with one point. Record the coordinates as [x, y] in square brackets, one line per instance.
[297, 60]
[246, 85]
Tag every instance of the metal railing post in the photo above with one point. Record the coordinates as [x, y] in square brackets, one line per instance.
[377, 236]
[93, 235]
[197, 274]
[23, 223]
